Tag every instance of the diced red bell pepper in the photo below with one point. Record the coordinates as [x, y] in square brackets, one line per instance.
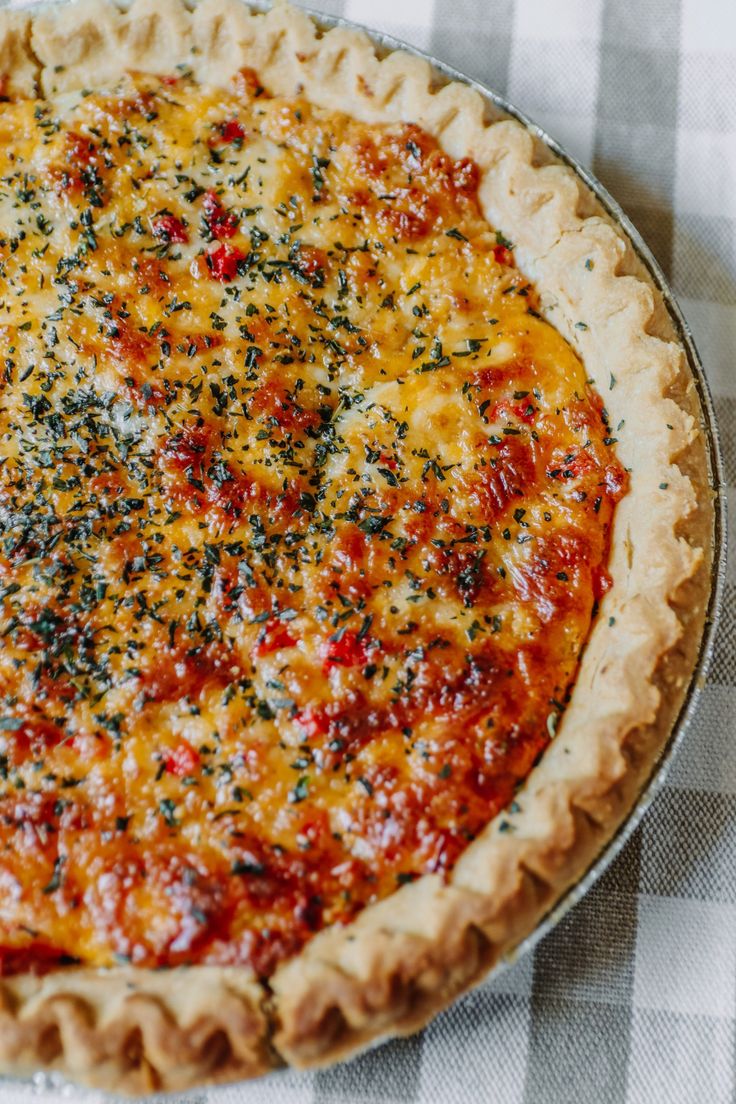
[223, 263]
[273, 635]
[169, 229]
[183, 760]
[349, 650]
[222, 224]
[230, 131]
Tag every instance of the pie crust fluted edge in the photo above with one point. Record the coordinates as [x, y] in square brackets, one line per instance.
[408, 956]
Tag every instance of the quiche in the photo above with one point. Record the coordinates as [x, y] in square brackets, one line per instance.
[350, 523]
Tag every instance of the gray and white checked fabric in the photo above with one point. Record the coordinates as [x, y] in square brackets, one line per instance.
[632, 999]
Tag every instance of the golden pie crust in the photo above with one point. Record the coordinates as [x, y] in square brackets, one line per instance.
[409, 955]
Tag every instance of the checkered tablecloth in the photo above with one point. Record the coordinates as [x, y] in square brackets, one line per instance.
[632, 998]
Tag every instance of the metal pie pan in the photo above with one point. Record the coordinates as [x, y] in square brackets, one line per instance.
[498, 107]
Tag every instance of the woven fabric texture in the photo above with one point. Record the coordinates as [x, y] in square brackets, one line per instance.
[632, 998]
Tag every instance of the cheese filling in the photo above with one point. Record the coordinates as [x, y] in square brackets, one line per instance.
[304, 518]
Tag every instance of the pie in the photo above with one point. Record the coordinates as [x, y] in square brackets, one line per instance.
[345, 556]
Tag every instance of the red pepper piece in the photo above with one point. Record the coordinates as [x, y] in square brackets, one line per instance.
[169, 229]
[230, 132]
[273, 635]
[223, 263]
[503, 255]
[183, 760]
[222, 224]
[347, 651]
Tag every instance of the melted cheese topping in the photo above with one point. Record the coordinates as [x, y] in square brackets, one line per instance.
[304, 515]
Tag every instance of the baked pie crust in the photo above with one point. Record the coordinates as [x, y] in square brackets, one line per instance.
[408, 955]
